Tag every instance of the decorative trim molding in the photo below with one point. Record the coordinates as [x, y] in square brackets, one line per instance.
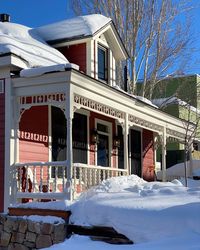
[51, 98]
[145, 124]
[96, 106]
[175, 134]
[26, 102]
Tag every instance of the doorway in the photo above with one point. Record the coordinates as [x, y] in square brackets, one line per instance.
[135, 152]
[103, 155]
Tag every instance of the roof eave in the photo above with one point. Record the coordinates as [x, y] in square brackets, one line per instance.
[13, 61]
[111, 33]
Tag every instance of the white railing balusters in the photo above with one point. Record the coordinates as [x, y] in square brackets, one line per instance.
[63, 178]
[56, 178]
[41, 179]
[34, 178]
[48, 179]
[26, 180]
[46, 186]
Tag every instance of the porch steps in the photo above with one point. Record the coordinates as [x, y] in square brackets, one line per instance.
[97, 233]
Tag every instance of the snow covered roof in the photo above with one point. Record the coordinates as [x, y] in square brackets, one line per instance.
[163, 102]
[28, 45]
[160, 102]
[81, 26]
[140, 98]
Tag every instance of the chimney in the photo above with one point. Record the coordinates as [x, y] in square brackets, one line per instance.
[4, 18]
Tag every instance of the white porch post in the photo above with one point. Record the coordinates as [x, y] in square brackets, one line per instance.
[126, 132]
[9, 159]
[69, 117]
[164, 155]
[15, 124]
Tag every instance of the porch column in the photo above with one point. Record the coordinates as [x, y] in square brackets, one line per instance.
[164, 155]
[126, 132]
[69, 117]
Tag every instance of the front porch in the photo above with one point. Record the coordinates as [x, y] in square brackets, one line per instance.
[64, 142]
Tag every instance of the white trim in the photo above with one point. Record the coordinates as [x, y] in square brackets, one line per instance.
[110, 136]
[8, 145]
[50, 132]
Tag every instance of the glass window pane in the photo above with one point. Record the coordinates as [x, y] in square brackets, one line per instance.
[102, 63]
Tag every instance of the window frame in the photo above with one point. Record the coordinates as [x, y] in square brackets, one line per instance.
[106, 62]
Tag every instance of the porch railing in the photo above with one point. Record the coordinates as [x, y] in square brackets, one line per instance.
[47, 180]
[86, 176]
[41, 180]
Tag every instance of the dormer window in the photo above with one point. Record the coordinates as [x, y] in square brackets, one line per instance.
[102, 63]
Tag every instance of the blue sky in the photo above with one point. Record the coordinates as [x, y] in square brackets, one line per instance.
[35, 13]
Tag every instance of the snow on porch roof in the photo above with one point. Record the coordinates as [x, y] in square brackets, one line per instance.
[28, 45]
[77, 27]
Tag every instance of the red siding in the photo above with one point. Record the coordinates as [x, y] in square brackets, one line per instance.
[2, 149]
[76, 54]
[148, 156]
[94, 116]
[33, 135]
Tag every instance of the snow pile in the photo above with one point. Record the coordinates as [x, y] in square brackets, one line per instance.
[73, 28]
[155, 215]
[179, 171]
[143, 211]
[26, 43]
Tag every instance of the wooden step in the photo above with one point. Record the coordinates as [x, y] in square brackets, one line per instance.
[106, 234]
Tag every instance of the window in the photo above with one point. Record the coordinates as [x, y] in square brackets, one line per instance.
[102, 63]
[59, 136]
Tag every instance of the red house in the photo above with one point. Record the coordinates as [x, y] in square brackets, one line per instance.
[64, 123]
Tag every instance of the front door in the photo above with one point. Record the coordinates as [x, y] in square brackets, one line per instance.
[103, 151]
[135, 152]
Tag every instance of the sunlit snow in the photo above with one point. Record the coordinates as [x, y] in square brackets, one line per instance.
[155, 215]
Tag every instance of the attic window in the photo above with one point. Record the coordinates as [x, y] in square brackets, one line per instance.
[102, 63]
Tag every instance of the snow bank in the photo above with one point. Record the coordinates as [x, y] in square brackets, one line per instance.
[143, 211]
[189, 241]
[155, 215]
[178, 170]
[27, 44]
[75, 27]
